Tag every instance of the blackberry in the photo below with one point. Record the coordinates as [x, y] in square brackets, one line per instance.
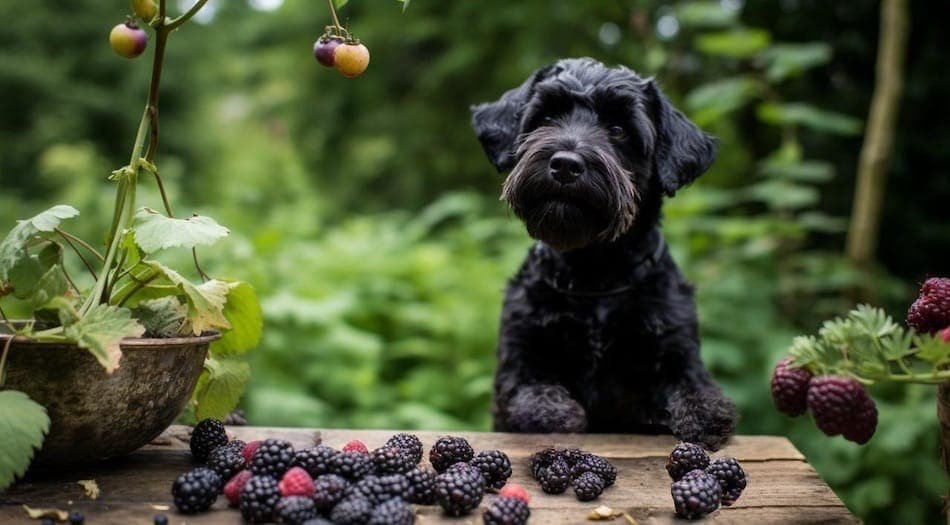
[391, 460]
[410, 445]
[789, 388]
[317, 460]
[421, 486]
[467, 467]
[506, 511]
[731, 477]
[227, 460]
[587, 462]
[318, 521]
[588, 486]
[259, 498]
[207, 435]
[272, 458]
[47, 521]
[196, 490]
[695, 495]
[328, 490]
[354, 510]
[495, 467]
[841, 405]
[460, 491]
[448, 450]
[76, 518]
[160, 519]
[555, 478]
[352, 465]
[392, 512]
[378, 489]
[686, 457]
[294, 510]
[540, 460]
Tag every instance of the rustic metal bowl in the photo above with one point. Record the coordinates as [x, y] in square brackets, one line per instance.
[95, 415]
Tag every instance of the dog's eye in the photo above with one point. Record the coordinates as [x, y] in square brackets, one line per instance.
[617, 132]
[547, 120]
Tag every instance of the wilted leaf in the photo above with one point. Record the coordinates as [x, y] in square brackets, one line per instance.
[155, 232]
[38, 514]
[220, 387]
[101, 331]
[162, 317]
[243, 312]
[205, 301]
[23, 423]
[90, 487]
[810, 116]
[735, 43]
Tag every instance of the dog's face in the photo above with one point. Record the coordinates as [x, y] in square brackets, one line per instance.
[585, 145]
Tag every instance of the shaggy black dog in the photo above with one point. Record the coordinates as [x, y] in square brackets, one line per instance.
[599, 329]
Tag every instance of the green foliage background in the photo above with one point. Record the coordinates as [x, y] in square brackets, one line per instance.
[366, 216]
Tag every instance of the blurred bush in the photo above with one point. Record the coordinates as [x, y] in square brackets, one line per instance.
[365, 213]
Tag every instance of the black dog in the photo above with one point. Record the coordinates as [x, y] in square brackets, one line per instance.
[599, 329]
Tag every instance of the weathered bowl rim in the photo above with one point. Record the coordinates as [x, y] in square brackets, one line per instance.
[129, 342]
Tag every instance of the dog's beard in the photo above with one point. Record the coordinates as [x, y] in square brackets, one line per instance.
[599, 207]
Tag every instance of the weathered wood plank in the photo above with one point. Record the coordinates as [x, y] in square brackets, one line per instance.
[782, 487]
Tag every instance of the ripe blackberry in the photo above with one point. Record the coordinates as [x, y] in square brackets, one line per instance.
[421, 486]
[227, 460]
[588, 486]
[790, 388]
[294, 510]
[695, 495]
[352, 465]
[468, 467]
[459, 491]
[409, 444]
[540, 460]
[684, 458]
[731, 477]
[273, 458]
[160, 519]
[841, 405]
[328, 490]
[555, 478]
[495, 467]
[76, 518]
[392, 512]
[378, 489]
[259, 498]
[448, 450]
[207, 435]
[196, 490]
[391, 460]
[353, 510]
[587, 462]
[506, 511]
[931, 311]
[317, 460]
[318, 521]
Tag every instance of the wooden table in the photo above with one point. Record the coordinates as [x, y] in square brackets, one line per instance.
[783, 488]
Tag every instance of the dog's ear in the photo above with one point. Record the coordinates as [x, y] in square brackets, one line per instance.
[682, 151]
[498, 123]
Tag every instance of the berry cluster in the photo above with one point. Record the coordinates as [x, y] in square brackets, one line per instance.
[840, 405]
[700, 485]
[271, 481]
[341, 51]
[557, 469]
[930, 313]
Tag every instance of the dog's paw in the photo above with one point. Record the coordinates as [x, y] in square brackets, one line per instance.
[708, 422]
[546, 409]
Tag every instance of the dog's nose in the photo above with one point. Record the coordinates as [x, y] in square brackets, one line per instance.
[566, 166]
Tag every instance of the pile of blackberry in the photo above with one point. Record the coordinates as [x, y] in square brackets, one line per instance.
[700, 485]
[270, 481]
[557, 469]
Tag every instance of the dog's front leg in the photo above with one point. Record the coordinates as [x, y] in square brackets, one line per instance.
[544, 408]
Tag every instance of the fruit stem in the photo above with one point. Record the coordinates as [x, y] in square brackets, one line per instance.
[176, 23]
[935, 378]
[336, 21]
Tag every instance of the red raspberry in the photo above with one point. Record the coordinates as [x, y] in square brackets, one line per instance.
[841, 405]
[514, 490]
[249, 451]
[945, 335]
[296, 482]
[234, 486]
[356, 446]
[790, 388]
[931, 311]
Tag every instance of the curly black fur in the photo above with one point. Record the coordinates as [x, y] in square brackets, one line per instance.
[599, 329]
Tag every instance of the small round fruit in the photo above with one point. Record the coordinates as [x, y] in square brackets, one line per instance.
[145, 9]
[323, 50]
[128, 40]
[351, 60]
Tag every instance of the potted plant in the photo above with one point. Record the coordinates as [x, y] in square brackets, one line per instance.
[101, 370]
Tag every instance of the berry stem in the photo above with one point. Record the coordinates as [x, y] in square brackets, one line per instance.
[336, 21]
[176, 23]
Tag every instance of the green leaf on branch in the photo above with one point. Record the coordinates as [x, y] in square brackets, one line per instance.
[932, 350]
[788, 60]
[206, 301]
[13, 247]
[714, 100]
[163, 317]
[155, 232]
[734, 43]
[101, 332]
[52, 284]
[798, 113]
[23, 424]
[339, 3]
[704, 14]
[243, 311]
[220, 387]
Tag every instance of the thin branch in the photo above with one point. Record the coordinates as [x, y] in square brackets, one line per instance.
[194, 254]
[3, 358]
[336, 21]
[176, 23]
[6, 320]
[161, 190]
[71, 282]
[81, 242]
[79, 254]
[138, 286]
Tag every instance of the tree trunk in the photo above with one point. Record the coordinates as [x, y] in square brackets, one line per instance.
[879, 135]
[943, 416]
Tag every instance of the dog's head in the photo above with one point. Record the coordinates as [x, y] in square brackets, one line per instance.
[585, 145]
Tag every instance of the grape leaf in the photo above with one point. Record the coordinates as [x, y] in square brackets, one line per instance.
[163, 317]
[102, 330]
[23, 424]
[243, 311]
[154, 231]
[205, 301]
[13, 247]
[220, 387]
